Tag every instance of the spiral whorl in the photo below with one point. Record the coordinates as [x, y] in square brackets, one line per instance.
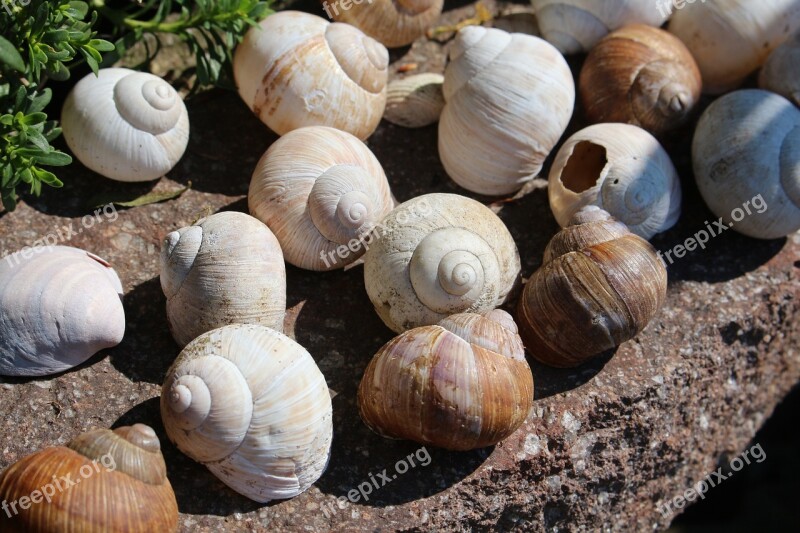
[342, 203]
[362, 58]
[178, 253]
[147, 102]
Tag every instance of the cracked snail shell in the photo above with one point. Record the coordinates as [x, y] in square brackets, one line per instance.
[640, 75]
[393, 23]
[509, 99]
[103, 480]
[58, 307]
[437, 255]
[226, 269]
[321, 191]
[416, 101]
[599, 285]
[251, 405]
[462, 384]
[295, 69]
[126, 125]
[620, 168]
[575, 26]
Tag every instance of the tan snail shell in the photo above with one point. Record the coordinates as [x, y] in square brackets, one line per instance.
[296, 69]
[103, 481]
[462, 384]
[640, 75]
[437, 255]
[509, 99]
[599, 285]
[252, 406]
[126, 125]
[391, 22]
[779, 74]
[575, 26]
[620, 168]
[415, 101]
[731, 39]
[321, 191]
[225, 269]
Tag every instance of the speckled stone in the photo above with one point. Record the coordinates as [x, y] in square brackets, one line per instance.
[604, 444]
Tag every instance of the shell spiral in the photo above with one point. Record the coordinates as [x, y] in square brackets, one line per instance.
[126, 490]
[58, 307]
[462, 384]
[437, 255]
[392, 22]
[297, 69]
[575, 26]
[252, 406]
[126, 125]
[226, 269]
[640, 75]
[599, 283]
[620, 168]
[746, 159]
[321, 191]
[509, 98]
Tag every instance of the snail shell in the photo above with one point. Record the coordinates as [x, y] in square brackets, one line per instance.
[747, 146]
[393, 23]
[296, 70]
[599, 285]
[729, 40]
[640, 75]
[415, 101]
[226, 269]
[119, 484]
[321, 191]
[252, 406]
[622, 169]
[509, 99]
[437, 255]
[462, 384]
[58, 307]
[575, 26]
[126, 125]
[779, 73]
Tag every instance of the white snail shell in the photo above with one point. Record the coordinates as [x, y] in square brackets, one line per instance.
[509, 99]
[620, 168]
[252, 406]
[415, 101]
[729, 40]
[575, 26]
[746, 145]
[321, 191]
[437, 255]
[58, 307]
[296, 70]
[226, 269]
[780, 74]
[391, 22]
[126, 125]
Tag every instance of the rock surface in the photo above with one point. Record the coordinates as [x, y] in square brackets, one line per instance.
[605, 443]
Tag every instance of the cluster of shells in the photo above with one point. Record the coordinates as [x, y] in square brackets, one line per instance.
[250, 403]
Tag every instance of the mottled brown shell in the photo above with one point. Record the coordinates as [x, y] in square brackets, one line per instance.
[599, 286]
[130, 493]
[640, 75]
[462, 384]
[393, 23]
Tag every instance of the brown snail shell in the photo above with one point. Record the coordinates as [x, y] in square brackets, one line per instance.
[393, 23]
[462, 384]
[117, 482]
[599, 285]
[640, 75]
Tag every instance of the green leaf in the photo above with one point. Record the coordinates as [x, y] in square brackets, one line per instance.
[9, 200]
[33, 118]
[38, 140]
[47, 177]
[146, 199]
[40, 101]
[77, 10]
[101, 45]
[54, 159]
[91, 61]
[10, 56]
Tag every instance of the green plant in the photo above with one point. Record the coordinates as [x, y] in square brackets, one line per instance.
[43, 41]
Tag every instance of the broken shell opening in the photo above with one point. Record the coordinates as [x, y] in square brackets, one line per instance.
[584, 166]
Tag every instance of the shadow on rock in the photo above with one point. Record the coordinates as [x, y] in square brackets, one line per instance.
[148, 349]
[197, 490]
[549, 381]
